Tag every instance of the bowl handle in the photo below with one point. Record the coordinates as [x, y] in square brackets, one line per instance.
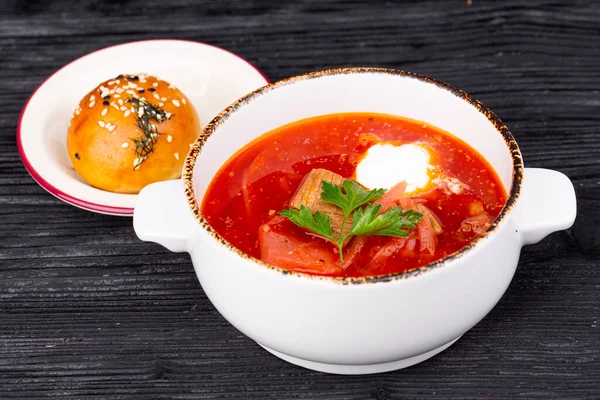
[546, 204]
[162, 216]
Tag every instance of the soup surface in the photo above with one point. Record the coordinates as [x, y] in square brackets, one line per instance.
[457, 192]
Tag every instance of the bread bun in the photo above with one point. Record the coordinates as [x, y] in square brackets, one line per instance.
[131, 131]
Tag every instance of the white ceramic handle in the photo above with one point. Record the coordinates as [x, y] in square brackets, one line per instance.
[162, 216]
[547, 204]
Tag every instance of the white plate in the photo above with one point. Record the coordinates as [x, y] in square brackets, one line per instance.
[212, 78]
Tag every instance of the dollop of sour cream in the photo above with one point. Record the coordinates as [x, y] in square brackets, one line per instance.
[385, 165]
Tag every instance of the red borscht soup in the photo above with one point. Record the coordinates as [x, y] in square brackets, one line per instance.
[448, 189]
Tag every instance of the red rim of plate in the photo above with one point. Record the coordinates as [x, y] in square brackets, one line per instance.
[86, 205]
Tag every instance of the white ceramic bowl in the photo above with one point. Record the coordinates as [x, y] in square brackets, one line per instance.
[210, 77]
[356, 326]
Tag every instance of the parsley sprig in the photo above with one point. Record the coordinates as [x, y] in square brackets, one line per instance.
[366, 221]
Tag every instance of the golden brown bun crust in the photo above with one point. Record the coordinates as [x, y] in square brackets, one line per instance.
[104, 155]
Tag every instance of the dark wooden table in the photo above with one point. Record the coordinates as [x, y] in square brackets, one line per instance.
[89, 311]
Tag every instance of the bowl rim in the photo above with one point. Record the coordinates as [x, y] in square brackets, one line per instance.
[209, 130]
[61, 194]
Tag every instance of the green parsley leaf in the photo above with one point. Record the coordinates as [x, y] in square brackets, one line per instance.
[355, 195]
[318, 222]
[390, 223]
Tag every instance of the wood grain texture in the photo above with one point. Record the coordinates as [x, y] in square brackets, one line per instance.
[89, 311]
